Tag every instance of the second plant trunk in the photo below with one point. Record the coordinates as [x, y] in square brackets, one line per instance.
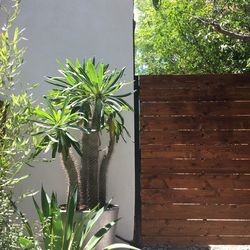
[89, 170]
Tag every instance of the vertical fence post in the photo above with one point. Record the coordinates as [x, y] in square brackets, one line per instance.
[137, 227]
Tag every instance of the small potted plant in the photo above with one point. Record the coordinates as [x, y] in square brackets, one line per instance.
[60, 233]
[85, 99]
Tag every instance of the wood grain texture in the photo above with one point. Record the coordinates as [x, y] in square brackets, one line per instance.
[201, 196]
[163, 166]
[195, 159]
[195, 211]
[195, 123]
[194, 137]
[195, 108]
[193, 227]
[207, 181]
[195, 81]
[224, 152]
[195, 240]
[210, 94]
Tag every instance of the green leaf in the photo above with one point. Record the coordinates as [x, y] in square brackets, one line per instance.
[43, 220]
[91, 71]
[55, 82]
[77, 147]
[124, 95]
[115, 78]
[95, 239]
[71, 137]
[45, 201]
[100, 73]
[57, 224]
[93, 220]
[39, 211]
[26, 243]
[54, 149]
[41, 113]
[120, 246]
[71, 208]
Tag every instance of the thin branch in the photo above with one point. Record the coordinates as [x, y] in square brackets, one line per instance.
[217, 27]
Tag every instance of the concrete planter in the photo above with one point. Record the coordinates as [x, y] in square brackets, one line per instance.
[109, 215]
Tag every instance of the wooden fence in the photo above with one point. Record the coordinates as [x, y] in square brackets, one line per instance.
[195, 159]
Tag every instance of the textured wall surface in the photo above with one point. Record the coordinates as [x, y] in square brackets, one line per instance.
[57, 29]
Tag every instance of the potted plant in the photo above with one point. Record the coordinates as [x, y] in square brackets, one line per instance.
[85, 99]
[60, 233]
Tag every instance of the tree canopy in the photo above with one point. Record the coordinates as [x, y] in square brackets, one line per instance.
[192, 36]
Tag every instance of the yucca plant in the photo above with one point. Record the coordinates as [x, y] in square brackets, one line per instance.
[54, 126]
[88, 92]
[66, 233]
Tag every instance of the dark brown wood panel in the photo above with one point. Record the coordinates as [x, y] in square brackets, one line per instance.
[197, 211]
[195, 159]
[208, 181]
[194, 137]
[206, 196]
[216, 94]
[223, 152]
[169, 123]
[193, 227]
[163, 166]
[196, 240]
[195, 123]
[195, 108]
[195, 81]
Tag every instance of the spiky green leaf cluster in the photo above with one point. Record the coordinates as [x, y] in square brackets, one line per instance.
[53, 128]
[86, 99]
[88, 85]
[66, 232]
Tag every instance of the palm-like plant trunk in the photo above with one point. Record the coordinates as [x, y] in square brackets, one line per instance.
[70, 167]
[89, 170]
[90, 161]
[84, 173]
[104, 170]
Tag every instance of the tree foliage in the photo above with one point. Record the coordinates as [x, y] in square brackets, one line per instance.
[198, 36]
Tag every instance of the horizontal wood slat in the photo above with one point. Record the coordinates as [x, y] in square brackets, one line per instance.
[213, 181]
[195, 123]
[195, 108]
[196, 151]
[195, 159]
[192, 137]
[195, 227]
[163, 166]
[177, 212]
[223, 94]
[209, 196]
[194, 81]
[196, 240]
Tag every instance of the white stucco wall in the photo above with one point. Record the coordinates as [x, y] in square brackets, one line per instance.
[57, 29]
